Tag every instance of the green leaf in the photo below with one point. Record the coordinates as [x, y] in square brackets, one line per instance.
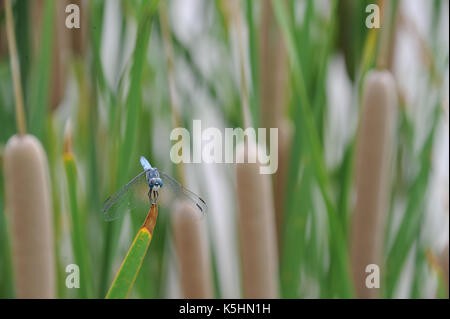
[38, 101]
[79, 244]
[126, 276]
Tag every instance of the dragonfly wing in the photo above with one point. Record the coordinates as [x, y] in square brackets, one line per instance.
[126, 198]
[175, 191]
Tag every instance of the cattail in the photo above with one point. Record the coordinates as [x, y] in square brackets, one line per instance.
[192, 253]
[258, 243]
[29, 211]
[373, 163]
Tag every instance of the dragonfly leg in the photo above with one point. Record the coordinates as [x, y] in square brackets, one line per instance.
[155, 196]
[149, 194]
[152, 195]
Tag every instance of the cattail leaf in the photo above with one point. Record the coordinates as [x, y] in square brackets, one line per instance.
[125, 277]
[40, 78]
[79, 244]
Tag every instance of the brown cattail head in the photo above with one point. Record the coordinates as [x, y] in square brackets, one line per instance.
[29, 211]
[373, 164]
[256, 219]
[192, 253]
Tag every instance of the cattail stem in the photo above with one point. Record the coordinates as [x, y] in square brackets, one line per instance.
[29, 208]
[15, 70]
[373, 163]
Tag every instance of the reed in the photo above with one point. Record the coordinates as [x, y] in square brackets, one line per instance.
[373, 165]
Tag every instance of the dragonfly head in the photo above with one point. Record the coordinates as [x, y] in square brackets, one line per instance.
[155, 183]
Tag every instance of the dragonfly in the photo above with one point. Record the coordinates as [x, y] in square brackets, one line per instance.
[147, 185]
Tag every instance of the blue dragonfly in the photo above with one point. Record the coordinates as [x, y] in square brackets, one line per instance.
[147, 185]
